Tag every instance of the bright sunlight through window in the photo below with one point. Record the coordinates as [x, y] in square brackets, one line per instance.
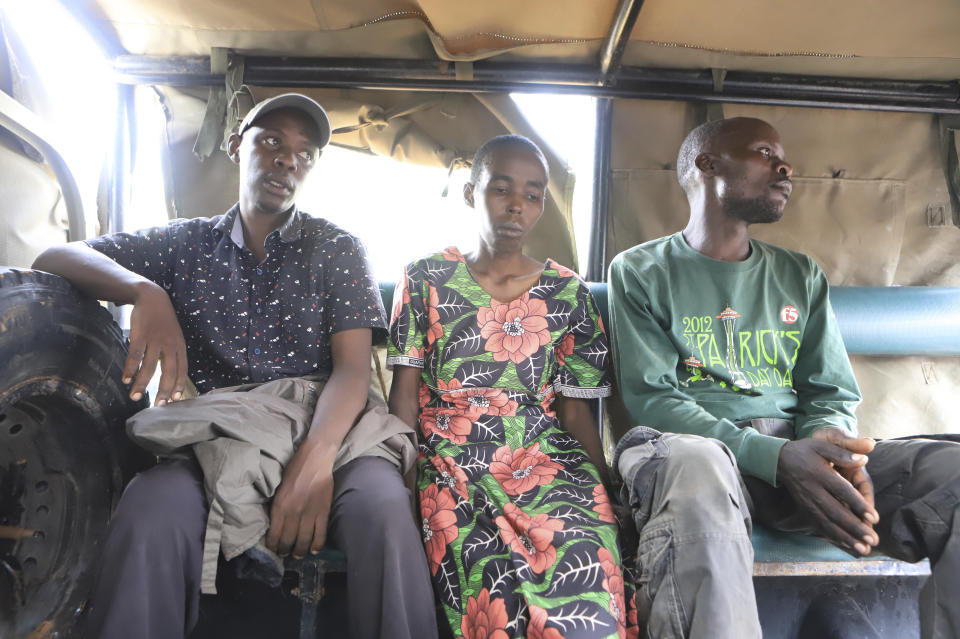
[400, 210]
[78, 99]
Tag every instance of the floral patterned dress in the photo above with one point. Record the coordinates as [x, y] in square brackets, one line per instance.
[520, 536]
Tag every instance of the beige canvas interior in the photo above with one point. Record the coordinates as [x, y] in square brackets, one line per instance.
[881, 38]
[864, 180]
[34, 215]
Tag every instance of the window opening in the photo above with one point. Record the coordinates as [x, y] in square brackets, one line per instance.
[399, 210]
[76, 97]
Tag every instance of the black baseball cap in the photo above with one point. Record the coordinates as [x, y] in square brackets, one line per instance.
[290, 101]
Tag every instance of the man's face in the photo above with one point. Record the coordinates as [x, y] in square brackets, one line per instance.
[275, 156]
[753, 178]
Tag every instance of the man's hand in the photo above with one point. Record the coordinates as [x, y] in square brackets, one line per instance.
[826, 476]
[155, 336]
[301, 507]
[856, 475]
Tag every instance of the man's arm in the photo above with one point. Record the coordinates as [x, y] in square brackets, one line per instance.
[645, 361]
[301, 507]
[827, 391]
[825, 469]
[155, 334]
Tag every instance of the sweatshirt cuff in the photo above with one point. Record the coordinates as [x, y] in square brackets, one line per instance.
[808, 428]
[759, 456]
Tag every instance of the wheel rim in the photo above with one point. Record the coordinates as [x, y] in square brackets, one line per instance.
[58, 477]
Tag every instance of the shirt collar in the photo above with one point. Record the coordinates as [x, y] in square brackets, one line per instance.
[225, 224]
[291, 230]
[231, 224]
[236, 232]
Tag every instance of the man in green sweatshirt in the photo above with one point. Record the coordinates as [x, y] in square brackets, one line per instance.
[729, 345]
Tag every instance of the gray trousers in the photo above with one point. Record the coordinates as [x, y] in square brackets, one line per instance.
[692, 511]
[149, 581]
[694, 557]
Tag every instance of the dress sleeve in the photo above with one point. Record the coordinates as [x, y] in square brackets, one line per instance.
[353, 297]
[583, 368]
[407, 329]
[148, 253]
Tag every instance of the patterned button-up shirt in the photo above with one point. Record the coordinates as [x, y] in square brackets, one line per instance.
[249, 322]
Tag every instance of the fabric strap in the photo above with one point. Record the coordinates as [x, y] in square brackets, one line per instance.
[211, 548]
[710, 111]
[216, 123]
[949, 126]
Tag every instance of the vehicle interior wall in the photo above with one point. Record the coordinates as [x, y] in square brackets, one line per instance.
[33, 215]
[867, 187]
[439, 130]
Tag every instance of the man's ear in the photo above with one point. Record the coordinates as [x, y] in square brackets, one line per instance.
[706, 163]
[233, 148]
[468, 194]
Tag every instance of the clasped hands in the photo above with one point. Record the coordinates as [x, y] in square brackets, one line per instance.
[827, 477]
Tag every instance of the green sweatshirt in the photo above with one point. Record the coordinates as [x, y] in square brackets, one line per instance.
[699, 344]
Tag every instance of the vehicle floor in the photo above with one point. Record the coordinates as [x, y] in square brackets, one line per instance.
[859, 607]
[253, 610]
[790, 608]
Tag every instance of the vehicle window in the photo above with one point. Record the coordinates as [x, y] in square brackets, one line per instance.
[73, 93]
[404, 211]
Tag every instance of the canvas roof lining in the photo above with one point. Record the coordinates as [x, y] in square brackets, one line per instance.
[880, 34]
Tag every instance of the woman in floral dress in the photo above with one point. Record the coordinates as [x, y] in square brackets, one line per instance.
[520, 536]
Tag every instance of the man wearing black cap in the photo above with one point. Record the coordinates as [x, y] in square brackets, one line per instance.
[260, 293]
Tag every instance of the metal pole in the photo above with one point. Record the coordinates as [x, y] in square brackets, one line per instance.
[617, 39]
[121, 161]
[597, 262]
[650, 84]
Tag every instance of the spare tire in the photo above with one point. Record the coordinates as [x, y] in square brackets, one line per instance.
[64, 457]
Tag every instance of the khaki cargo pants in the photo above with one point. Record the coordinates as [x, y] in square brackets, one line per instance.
[693, 510]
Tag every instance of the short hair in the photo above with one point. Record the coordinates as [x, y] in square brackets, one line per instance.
[483, 154]
[697, 141]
